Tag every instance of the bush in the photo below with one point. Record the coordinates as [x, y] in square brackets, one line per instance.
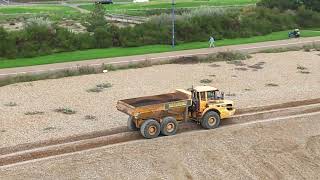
[290, 4]
[307, 18]
[280, 4]
[312, 4]
[103, 38]
[7, 44]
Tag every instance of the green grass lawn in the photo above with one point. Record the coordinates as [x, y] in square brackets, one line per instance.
[179, 4]
[131, 8]
[117, 52]
[39, 9]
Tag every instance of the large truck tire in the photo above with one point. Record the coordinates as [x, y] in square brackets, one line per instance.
[210, 120]
[150, 129]
[131, 125]
[169, 126]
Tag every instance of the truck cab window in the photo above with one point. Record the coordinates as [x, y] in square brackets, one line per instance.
[203, 96]
[211, 95]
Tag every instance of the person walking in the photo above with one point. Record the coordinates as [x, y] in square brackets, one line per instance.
[211, 41]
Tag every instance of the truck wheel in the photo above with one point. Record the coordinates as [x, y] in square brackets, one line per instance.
[210, 120]
[169, 126]
[131, 125]
[150, 129]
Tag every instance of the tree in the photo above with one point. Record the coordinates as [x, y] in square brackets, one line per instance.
[312, 4]
[97, 18]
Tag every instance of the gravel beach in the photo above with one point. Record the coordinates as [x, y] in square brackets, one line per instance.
[28, 110]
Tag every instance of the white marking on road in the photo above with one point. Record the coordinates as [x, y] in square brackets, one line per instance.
[279, 118]
[274, 110]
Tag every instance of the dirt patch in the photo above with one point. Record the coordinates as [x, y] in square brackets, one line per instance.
[273, 150]
[73, 26]
[12, 26]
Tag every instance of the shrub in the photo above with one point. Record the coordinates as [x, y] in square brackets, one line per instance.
[231, 56]
[11, 104]
[90, 117]
[32, 113]
[280, 4]
[206, 81]
[103, 38]
[307, 18]
[104, 85]
[67, 111]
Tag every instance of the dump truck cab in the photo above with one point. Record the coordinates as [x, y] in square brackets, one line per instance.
[207, 98]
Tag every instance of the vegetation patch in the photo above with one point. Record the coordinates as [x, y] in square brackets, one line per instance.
[241, 69]
[257, 66]
[100, 87]
[300, 67]
[67, 111]
[49, 128]
[104, 85]
[90, 117]
[272, 85]
[236, 63]
[306, 48]
[305, 72]
[11, 104]
[95, 90]
[206, 81]
[214, 65]
[3, 131]
[32, 113]
[232, 56]
[280, 50]
[186, 60]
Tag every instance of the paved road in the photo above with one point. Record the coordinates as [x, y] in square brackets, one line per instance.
[250, 48]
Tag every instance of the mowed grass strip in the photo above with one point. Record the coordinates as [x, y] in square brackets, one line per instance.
[118, 52]
[166, 4]
[48, 9]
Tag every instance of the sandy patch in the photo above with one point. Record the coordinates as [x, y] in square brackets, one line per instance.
[286, 149]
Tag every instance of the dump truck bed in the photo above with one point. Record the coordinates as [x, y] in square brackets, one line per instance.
[153, 103]
[158, 99]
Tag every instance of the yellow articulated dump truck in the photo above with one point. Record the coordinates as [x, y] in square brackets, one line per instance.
[161, 113]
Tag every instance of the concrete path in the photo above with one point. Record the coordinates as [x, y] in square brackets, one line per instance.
[156, 57]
